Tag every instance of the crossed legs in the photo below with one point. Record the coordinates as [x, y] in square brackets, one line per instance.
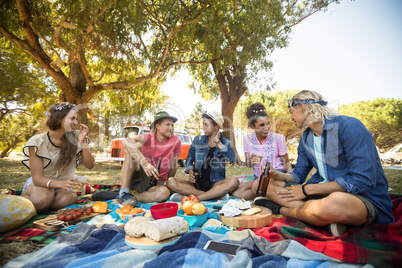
[337, 207]
[157, 193]
[187, 188]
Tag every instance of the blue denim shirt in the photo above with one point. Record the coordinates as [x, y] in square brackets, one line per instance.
[199, 151]
[350, 158]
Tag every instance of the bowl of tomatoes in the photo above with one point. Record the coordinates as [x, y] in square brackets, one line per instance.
[127, 212]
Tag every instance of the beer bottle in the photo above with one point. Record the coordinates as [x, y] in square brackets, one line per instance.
[264, 180]
[154, 181]
[197, 176]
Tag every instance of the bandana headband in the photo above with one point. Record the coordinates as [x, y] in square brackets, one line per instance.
[308, 101]
[62, 107]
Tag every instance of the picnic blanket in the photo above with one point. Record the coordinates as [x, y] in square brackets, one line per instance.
[379, 244]
[285, 242]
[90, 246]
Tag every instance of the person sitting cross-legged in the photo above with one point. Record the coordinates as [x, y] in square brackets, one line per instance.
[349, 187]
[143, 153]
[209, 153]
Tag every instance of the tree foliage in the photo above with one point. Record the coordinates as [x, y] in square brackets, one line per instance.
[237, 38]
[90, 46]
[382, 117]
[23, 84]
[194, 123]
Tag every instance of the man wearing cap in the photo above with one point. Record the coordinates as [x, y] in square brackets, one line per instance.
[208, 154]
[143, 153]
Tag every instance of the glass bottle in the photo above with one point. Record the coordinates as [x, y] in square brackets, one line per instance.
[197, 176]
[264, 181]
[154, 181]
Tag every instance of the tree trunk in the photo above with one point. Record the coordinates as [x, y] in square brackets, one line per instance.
[231, 89]
[9, 147]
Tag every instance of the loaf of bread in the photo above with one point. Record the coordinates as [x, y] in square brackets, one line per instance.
[156, 230]
[135, 227]
[166, 228]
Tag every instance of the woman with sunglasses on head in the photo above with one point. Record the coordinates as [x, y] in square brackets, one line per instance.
[52, 158]
[260, 147]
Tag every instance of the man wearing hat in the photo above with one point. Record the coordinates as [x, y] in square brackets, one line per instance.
[143, 153]
[208, 154]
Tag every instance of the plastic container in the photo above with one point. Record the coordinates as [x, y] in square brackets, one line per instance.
[127, 217]
[193, 221]
[164, 210]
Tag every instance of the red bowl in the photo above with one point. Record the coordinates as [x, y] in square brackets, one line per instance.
[164, 210]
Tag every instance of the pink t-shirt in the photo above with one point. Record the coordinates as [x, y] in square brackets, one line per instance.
[270, 150]
[153, 151]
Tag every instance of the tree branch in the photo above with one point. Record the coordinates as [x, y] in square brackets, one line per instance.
[95, 19]
[81, 60]
[57, 35]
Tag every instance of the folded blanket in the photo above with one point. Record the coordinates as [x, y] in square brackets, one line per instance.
[89, 246]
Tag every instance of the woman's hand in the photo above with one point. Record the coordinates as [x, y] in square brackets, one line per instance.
[83, 133]
[293, 193]
[191, 176]
[68, 184]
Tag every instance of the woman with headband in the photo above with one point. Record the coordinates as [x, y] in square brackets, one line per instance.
[52, 158]
[260, 147]
[349, 187]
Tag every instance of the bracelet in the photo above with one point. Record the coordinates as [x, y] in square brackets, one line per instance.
[304, 191]
[48, 184]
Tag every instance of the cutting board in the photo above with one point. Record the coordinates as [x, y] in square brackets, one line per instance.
[260, 219]
[42, 224]
[147, 243]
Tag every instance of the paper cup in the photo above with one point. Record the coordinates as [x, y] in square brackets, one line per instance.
[257, 159]
[79, 187]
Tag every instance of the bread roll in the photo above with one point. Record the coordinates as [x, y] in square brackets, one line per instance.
[135, 227]
[166, 228]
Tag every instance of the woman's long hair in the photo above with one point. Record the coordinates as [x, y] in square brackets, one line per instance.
[68, 149]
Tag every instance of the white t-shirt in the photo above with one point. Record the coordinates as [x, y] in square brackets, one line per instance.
[46, 150]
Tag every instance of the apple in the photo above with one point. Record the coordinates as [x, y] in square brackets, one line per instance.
[184, 199]
[199, 209]
[188, 207]
[194, 198]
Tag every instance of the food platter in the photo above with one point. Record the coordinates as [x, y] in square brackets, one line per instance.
[260, 219]
[146, 243]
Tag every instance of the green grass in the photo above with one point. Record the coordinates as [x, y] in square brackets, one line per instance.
[13, 174]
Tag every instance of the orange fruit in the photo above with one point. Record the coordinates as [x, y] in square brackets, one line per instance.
[188, 207]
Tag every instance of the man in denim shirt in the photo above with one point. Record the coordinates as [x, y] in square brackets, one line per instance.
[208, 154]
[349, 187]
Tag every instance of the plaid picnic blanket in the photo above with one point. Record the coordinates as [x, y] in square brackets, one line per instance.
[26, 232]
[379, 245]
[90, 246]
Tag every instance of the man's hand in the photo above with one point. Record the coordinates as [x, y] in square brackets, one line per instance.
[293, 193]
[151, 171]
[191, 176]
